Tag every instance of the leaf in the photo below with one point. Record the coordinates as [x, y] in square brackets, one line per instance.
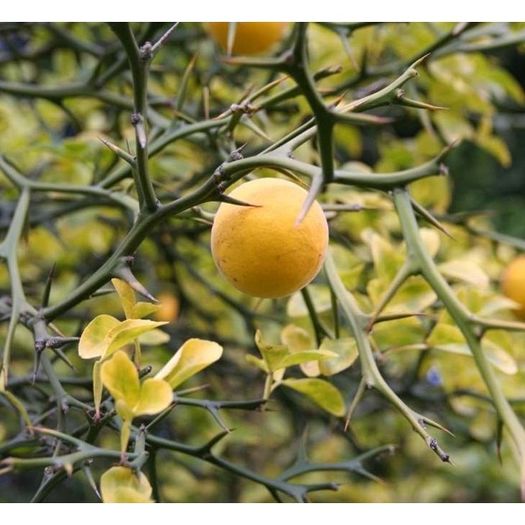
[431, 240]
[155, 337]
[192, 357]
[320, 297]
[143, 309]
[121, 485]
[126, 295]
[127, 331]
[155, 396]
[345, 351]
[387, 258]
[496, 345]
[306, 356]
[465, 270]
[259, 363]
[297, 340]
[121, 378]
[273, 355]
[92, 339]
[321, 392]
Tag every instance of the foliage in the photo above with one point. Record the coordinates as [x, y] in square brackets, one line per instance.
[117, 143]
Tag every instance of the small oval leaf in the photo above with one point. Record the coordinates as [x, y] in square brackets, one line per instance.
[155, 396]
[192, 357]
[121, 378]
[321, 392]
[121, 485]
[92, 341]
[345, 352]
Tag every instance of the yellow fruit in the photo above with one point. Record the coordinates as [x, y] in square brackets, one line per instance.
[169, 308]
[513, 283]
[261, 250]
[251, 38]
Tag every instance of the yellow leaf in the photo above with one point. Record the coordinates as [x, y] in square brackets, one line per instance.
[121, 485]
[431, 240]
[155, 396]
[93, 339]
[142, 309]
[345, 353]
[321, 392]
[155, 337]
[465, 270]
[127, 296]
[192, 357]
[127, 331]
[121, 378]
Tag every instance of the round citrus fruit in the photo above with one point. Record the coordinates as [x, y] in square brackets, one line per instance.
[261, 249]
[513, 283]
[169, 308]
[251, 38]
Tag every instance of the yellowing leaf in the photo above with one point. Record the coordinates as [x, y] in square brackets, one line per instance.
[127, 331]
[273, 355]
[387, 257]
[345, 353]
[496, 345]
[143, 309]
[121, 378]
[155, 337]
[321, 392]
[431, 240]
[297, 340]
[92, 341]
[121, 485]
[305, 357]
[155, 396]
[126, 295]
[465, 270]
[192, 357]
[320, 295]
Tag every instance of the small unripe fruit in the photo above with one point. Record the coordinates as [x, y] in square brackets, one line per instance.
[261, 249]
[513, 284]
[251, 38]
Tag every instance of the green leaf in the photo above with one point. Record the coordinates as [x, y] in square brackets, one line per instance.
[298, 340]
[121, 378]
[122, 485]
[155, 396]
[273, 355]
[92, 340]
[192, 357]
[305, 357]
[259, 363]
[345, 352]
[321, 392]
[387, 258]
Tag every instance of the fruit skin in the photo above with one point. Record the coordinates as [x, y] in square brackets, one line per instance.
[513, 283]
[169, 308]
[261, 250]
[251, 38]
